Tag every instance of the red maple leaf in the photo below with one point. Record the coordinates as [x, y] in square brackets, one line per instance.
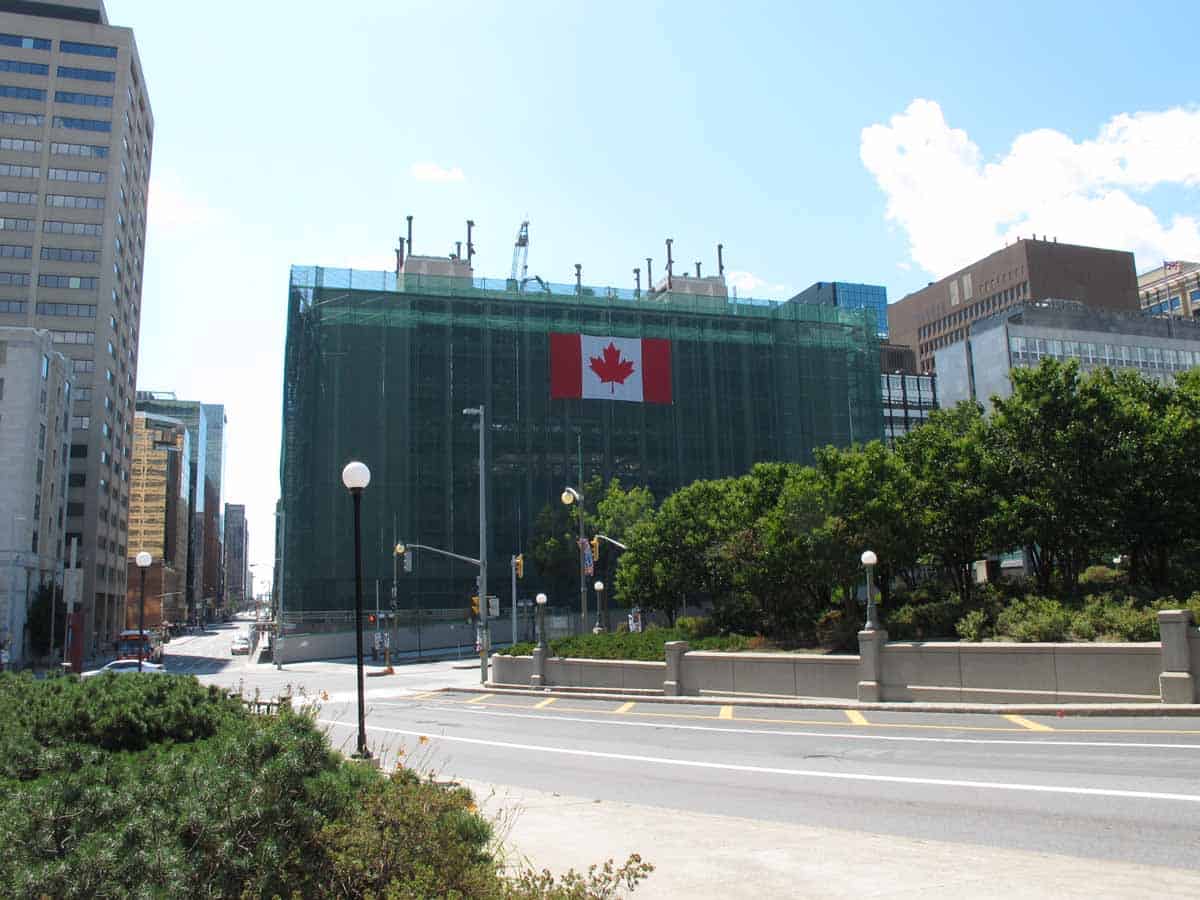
[611, 368]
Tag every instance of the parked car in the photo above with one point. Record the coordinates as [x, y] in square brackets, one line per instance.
[241, 645]
[120, 666]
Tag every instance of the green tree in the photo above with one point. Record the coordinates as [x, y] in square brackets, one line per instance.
[39, 621]
[1055, 450]
[953, 499]
[554, 546]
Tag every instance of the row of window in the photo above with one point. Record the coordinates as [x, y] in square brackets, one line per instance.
[12, 306]
[90, 229]
[70, 254]
[73, 337]
[90, 150]
[83, 99]
[20, 145]
[15, 251]
[87, 74]
[16, 170]
[70, 282]
[15, 279]
[82, 124]
[77, 47]
[24, 68]
[21, 93]
[59, 201]
[83, 176]
[1123, 355]
[70, 310]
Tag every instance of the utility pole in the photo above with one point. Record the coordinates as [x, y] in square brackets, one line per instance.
[481, 412]
[513, 565]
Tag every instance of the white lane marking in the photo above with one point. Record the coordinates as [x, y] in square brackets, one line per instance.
[847, 735]
[798, 773]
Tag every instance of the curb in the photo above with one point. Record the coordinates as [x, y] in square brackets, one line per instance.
[1033, 709]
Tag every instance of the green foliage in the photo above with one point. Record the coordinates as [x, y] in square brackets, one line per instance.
[924, 621]
[973, 626]
[157, 787]
[1034, 619]
[39, 621]
[646, 645]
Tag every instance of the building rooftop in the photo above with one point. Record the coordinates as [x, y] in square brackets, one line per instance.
[1071, 314]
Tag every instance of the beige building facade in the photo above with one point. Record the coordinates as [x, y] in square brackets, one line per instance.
[76, 134]
[1172, 289]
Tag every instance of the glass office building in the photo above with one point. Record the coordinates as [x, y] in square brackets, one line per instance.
[847, 295]
[379, 367]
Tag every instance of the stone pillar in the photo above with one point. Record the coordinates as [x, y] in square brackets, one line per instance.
[1176, 683]
[538, 678]
[673, 685]
[870, 665]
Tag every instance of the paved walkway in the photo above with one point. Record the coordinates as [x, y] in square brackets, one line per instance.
[702, 856]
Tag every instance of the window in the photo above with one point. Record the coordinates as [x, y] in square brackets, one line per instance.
[10, 224]
[36, 120]
[83, 394]
[92, 229]
[29, 43]
[82, 124]
[16, 170]
[73, 337]
[86, 176]
[81, 99]
[77, 479]
[15, 251]
[12, 306]
[91, 150]
[87, 49]
[76, 310]
[24, 68]
[20, 279]
[22, 93]
[70, 282]
[20, 145]
[68, 254]
[23, 197]
[69, 201]
[87, 74]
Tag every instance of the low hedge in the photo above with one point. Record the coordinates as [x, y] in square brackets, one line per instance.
[645, 645]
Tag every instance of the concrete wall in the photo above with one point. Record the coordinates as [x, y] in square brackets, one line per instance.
[903, 671]
[1021, 673]
[438, 638]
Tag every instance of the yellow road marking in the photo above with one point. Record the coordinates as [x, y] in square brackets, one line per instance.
[624, 708]
[726, 712]
[1026, 723]
[831, 723]
[855, 717]
[544, 703]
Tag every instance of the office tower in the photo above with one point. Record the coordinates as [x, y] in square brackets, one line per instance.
[849, 295]
[35, 399]
[214, 505]
[237, 570]
[1029, 269]
[76, 133]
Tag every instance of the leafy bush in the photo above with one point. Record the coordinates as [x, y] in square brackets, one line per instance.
[837, 631]
[1034, 619]
[647, 645]
[695, 626]
[1099, 577]
[922, 621]
[974, 626]
[155, 786]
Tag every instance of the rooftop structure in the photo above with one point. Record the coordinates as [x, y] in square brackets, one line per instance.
[1172, 289]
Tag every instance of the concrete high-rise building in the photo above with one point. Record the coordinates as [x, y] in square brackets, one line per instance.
[76, 134]
[35, 397]
[159, 518]
[214, 505]
[941, 314]
[237, 563]
[1172, 289]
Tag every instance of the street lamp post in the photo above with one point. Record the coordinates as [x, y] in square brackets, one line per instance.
[601, 609]
[541, 621]
[868, 560]
[571, 496]
[143, 562]
[356, 476]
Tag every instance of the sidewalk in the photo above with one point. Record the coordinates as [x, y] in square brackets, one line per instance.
[709, 856]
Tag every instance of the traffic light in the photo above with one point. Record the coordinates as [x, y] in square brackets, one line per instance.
[519, 563]
[475, 605]
[595, 550]
[371, 619]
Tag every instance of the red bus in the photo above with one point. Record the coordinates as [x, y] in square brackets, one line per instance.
[150, 642]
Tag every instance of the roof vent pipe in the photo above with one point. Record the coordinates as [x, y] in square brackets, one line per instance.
[470, 246]
[410, 249]
[697, 268]
[670, 263]
[649, 276]
[399, 255]
[578, 278]
[458, 249]
[720, 260]
[637, 282]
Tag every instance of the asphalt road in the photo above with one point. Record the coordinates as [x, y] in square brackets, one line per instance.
[1106, 789]
[1119, 789]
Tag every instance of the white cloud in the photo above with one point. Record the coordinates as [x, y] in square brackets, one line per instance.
[957, 207]
[433, 173]
[750, 285]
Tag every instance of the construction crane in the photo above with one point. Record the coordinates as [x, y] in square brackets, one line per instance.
[520, 261]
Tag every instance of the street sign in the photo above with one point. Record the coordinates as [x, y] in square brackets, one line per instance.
[493, 606]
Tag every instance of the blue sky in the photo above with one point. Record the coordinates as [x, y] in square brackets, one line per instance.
[873, 142]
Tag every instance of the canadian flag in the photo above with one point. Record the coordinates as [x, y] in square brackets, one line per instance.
[610, 368]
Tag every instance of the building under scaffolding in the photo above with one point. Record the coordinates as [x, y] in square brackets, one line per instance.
[380, 365]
